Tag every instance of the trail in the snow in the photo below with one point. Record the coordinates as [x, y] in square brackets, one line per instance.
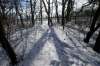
[52, 50]
[52, 46]
[43, 52]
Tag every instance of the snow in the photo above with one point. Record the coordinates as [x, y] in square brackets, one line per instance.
[51, 46]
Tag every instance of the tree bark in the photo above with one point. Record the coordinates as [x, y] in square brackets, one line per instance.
[47, 11]
[32, 14]
[97, 44]
[18, 13]
[41, 10]
[63, 8]
[57, 16]
[69, 9]
[6, 46]
[93, 28]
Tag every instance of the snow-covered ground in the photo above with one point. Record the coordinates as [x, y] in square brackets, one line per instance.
[51, 46]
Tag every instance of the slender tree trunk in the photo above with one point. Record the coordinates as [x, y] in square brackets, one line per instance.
[69, 9]
[57, 16]
[41, 10]
[63, 8]
[18, 13]
[92, 28]
[49, 12]
[32, 14]
[34, 8]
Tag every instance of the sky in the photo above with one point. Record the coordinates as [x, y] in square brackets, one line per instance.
[77, 5]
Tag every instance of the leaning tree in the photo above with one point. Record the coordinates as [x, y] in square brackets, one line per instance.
[93, 26]
[5, 7]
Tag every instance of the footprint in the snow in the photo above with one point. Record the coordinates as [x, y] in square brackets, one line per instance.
[55, 63]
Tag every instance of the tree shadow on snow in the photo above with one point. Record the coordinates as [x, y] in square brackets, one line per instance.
[55, 63]
[64, 56]
[35, 50]
[60, 49]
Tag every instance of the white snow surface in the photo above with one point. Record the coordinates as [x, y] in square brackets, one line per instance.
[51, 46]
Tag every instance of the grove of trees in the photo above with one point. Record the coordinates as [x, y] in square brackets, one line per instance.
[22, 14]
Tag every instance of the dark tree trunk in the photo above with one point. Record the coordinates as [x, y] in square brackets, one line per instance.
[6, 46]
[69, 9]
[32, 14]
[49, 19]
[93, 28]
[89, 34]
[48, 12]
[18, 13]
[41, 10]
[97, 44]
[57, 11]
[63, 8]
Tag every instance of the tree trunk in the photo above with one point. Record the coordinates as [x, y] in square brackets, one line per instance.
[63, 8]
[89, 34]
[48, 13]
[41, 10]
[69, 9]
[18, 13]
[57, 16]
[6, 46]
[92, 28]
[97, 44]
[49, 20]
[32, 14]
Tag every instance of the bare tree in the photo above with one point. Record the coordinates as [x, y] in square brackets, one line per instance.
[69, 9]
[56, 6]
[6, 46]
[3, 40]
[32, 13]
[93, 27]
[41, 10]
[63, 10]
[16, 4]
[48, 12]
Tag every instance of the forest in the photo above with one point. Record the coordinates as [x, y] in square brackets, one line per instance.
[49, 33]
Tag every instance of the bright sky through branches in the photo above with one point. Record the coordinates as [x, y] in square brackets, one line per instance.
[78, 3]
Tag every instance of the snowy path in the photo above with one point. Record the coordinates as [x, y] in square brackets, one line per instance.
[54, 48]
[43, 52]
[48, 51]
